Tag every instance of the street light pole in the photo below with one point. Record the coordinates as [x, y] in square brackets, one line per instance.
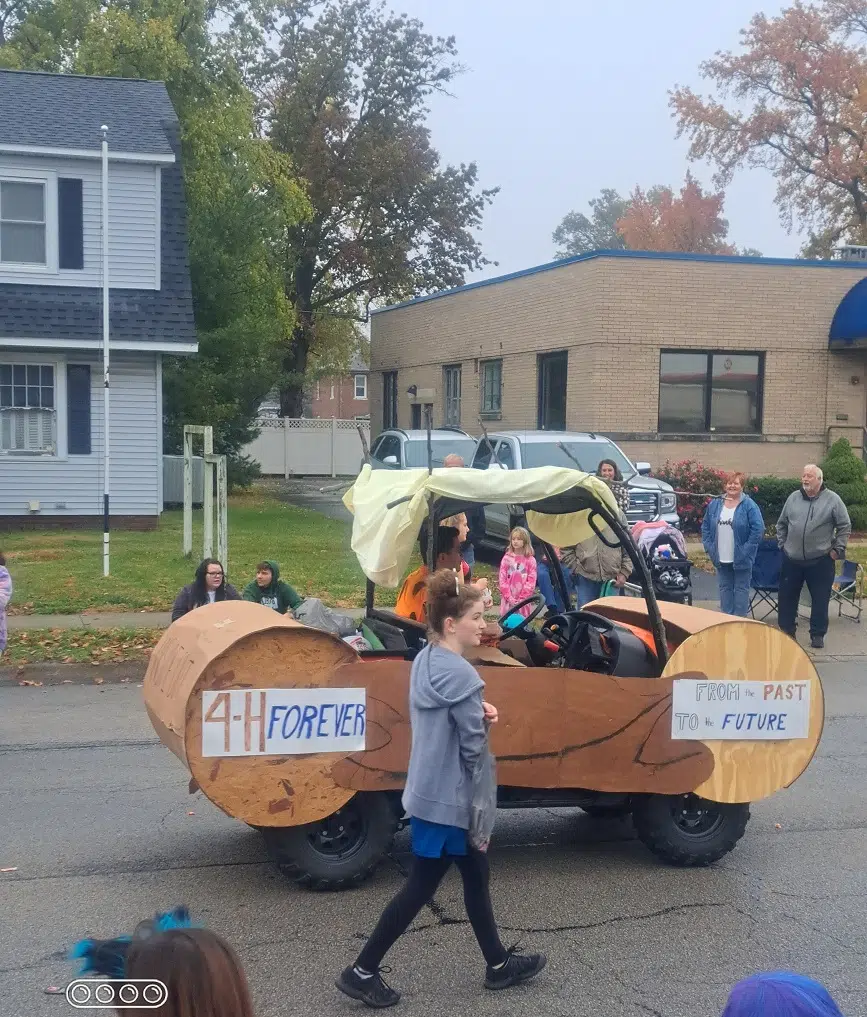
[105, 357]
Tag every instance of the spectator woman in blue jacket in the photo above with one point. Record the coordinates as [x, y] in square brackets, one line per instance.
[730, 531]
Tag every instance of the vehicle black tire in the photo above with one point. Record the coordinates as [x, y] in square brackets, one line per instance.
[688, 830]
[338, 852]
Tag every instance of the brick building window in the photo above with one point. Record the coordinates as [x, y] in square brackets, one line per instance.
[389, 399]
[360, 386]
[452, 392]
[491, 387]
[710, 392]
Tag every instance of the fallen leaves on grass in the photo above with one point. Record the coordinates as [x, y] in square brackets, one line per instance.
[79, 646]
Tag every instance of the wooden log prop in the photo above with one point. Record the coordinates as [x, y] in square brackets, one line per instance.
[243, 646]
[747, 770]
[226, 678]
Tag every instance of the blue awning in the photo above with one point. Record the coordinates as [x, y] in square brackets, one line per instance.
[849, 327]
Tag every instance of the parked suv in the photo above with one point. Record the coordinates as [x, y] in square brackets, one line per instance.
[649, 499]
[396, 449]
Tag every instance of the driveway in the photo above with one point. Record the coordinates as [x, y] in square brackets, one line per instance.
[322, 494]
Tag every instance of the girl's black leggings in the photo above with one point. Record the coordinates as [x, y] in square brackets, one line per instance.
[425, 876]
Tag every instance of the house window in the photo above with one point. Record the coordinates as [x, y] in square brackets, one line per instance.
[452, 390]
[492, 389]
[28, 418]
[389, 399]
[710, 392]
[23, 239]
[360, 386]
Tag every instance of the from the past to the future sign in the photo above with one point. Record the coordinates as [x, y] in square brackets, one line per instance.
[709, 710]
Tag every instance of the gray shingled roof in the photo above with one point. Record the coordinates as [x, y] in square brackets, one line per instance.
[67, 111]
[31, 311]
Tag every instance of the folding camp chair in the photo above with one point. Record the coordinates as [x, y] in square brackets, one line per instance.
[848, 590]
[765, 579]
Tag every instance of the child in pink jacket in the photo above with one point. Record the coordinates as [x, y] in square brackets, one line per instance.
[517, 572]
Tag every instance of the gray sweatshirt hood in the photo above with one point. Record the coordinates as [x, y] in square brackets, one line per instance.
[448, 683]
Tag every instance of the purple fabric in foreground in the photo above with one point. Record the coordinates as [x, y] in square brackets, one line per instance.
[5, 597]
[780, 994]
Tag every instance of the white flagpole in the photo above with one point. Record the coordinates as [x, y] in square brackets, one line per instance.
[105, 355]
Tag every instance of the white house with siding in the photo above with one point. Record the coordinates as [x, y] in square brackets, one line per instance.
[51, 384]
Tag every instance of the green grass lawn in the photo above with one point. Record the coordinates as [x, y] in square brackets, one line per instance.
[79, 646]
[60, 572]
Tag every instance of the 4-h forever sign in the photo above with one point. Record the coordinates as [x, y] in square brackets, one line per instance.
[280, 722]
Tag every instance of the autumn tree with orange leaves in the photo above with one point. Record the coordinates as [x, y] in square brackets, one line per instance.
[660, 221]
[793, 101]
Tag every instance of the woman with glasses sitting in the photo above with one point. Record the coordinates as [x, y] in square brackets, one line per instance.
[209, 586]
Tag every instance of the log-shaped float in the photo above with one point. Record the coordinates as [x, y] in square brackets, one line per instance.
[558, 727]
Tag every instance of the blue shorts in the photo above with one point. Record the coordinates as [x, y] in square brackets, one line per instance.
[433, 840]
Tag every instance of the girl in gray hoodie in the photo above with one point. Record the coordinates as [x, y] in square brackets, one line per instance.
[449, 733]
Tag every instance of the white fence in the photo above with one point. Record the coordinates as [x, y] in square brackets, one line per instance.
[292, 446]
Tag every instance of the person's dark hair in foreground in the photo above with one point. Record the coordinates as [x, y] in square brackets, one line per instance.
[449, 722]
[780, 994]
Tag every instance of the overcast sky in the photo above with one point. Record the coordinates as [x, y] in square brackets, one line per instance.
[564, 97]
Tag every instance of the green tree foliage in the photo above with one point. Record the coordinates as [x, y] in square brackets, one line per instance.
[344, 87]
[578, 234]
[236, 212]
[844, 473]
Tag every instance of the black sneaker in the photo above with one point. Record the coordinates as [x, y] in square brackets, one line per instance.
[373, 991]
[518, 968]
[817, 642]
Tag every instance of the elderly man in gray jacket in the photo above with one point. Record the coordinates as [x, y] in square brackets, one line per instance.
[812, 531]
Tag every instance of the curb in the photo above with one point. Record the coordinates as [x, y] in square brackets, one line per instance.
[128, 673]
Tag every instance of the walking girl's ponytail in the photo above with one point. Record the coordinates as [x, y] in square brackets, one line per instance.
[448, 597]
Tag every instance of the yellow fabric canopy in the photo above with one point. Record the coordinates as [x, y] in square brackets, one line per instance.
[383, 538]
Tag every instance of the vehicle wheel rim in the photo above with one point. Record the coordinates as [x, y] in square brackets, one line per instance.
[340, 835]
[696, 817]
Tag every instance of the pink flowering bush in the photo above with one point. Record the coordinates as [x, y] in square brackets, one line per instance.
[696, 484]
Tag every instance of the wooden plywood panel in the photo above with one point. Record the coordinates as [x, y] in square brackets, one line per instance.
[681, 621]
[746, 771]
[557, 728]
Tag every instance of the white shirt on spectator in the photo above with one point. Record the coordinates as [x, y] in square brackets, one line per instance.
[725, 536]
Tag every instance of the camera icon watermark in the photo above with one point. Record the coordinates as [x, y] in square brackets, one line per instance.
[110, 993]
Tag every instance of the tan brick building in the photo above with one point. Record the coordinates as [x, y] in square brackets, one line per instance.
[722, 359]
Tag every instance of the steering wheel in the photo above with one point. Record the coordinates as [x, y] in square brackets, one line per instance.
[587, 650]
[521, 628]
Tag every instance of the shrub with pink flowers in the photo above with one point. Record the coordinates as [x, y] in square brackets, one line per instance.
[695, 484]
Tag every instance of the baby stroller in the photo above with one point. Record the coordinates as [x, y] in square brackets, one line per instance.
[664, 550]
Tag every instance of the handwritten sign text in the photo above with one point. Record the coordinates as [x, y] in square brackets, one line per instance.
[279, 722]
[740, 711]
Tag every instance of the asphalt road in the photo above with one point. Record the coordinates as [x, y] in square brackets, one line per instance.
[95, 816]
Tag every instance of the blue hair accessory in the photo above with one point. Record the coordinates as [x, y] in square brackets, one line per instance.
[107, 957]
